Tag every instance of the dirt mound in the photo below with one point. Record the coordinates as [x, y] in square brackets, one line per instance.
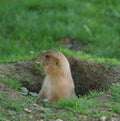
[28, 74]
[87, 75]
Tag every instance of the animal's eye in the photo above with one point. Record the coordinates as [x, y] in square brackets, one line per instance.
[47, 56]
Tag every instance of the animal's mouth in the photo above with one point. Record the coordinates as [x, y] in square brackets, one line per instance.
[40, 61]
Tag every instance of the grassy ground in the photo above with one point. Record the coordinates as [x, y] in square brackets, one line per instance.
[90, 107]
[27, 27]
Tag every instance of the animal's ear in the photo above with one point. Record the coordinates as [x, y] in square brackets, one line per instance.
[57, 62]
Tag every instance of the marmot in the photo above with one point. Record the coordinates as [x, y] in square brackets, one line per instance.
[58, 83]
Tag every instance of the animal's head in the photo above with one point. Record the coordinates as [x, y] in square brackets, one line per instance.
[53, 62]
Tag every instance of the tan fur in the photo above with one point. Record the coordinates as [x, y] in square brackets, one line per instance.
[58, 83]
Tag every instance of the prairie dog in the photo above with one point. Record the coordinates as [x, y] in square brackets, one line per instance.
[58, 83]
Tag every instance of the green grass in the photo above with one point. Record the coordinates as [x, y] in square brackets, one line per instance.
[12, 83]
[82, 55]
[28, 27]
[14, 107]
[87, 106]
[82, 106]
[8, 103]
[115, 97]
[115, 92]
